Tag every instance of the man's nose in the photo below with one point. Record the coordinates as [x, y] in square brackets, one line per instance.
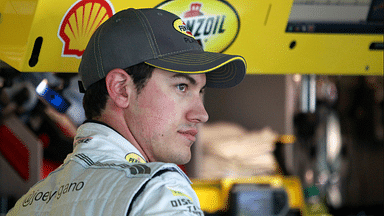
[197, 113]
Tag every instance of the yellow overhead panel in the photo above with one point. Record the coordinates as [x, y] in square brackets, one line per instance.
[15, 24]
[50, 36]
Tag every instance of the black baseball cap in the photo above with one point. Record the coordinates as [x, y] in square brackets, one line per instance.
[160, 39]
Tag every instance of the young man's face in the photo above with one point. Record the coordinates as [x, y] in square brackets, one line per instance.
[164, 117]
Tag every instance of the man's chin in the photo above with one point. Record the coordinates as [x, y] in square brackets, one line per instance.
[183, 159]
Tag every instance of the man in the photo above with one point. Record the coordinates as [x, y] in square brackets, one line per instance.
[144, 76]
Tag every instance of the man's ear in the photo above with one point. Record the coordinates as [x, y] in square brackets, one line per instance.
[119, 85]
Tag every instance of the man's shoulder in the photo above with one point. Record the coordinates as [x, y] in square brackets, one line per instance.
[168, 192]
[130, 170]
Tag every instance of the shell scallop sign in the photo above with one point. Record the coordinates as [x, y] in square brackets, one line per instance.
[214, 23]
[80, 22]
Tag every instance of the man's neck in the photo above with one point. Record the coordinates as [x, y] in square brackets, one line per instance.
[119, 125]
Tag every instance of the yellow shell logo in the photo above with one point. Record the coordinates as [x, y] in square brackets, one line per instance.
[80, 22]
[215, 24]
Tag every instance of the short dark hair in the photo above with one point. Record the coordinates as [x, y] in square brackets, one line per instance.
[95, 98]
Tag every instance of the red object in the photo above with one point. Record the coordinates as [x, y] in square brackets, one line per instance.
[48, 167]
[44, 138]
[182, 167]
[195, 10]
[14, 151]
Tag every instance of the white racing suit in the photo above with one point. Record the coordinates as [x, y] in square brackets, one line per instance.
[107, 175]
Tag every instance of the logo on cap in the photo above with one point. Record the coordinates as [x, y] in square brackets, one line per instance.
[180, 26]
[214, 23]
[80, 22]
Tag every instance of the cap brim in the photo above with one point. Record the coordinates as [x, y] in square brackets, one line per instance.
[223, 70]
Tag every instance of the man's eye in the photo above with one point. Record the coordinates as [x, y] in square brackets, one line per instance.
[182, 87]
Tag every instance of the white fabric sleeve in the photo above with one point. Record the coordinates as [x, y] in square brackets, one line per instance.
[167, 194]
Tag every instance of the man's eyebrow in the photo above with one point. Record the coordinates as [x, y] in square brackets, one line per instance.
[186, 76]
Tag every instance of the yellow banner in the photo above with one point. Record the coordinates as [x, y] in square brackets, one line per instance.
[50, 36]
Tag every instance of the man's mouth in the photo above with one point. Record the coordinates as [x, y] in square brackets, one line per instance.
[190, 134]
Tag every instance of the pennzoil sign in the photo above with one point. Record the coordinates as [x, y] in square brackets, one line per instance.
[79, 23]
[214, 23]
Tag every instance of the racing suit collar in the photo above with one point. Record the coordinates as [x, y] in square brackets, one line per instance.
[99, 122]
[102, 142]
